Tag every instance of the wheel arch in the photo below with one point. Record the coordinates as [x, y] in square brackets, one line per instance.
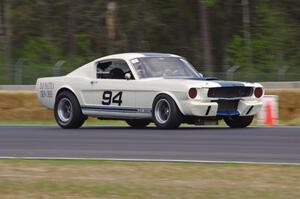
[66, 88]
[173, 97]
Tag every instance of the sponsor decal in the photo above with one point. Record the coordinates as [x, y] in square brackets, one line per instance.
[46, 89]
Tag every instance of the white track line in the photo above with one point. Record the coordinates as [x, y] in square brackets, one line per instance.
[150, 160]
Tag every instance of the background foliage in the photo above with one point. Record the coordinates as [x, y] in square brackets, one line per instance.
[43, 32]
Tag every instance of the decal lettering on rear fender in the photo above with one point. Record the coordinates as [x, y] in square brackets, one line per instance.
[108, 98]
[46, 89]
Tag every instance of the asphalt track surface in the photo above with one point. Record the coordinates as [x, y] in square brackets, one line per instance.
[254, 144]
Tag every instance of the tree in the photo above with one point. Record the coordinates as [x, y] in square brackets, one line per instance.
[6, 38]
[205, 35]
[246, 30]
[208, 33]
[272, 41]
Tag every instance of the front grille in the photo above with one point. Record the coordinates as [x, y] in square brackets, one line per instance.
[227, 105]
[230, 92]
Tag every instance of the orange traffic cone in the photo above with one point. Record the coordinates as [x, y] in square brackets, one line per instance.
[269, 114]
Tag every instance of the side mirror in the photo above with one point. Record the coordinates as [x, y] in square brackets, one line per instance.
[128, 76]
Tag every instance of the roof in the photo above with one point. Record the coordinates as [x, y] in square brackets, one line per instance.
[129, 56]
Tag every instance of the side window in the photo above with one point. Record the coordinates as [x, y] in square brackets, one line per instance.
[115, 69]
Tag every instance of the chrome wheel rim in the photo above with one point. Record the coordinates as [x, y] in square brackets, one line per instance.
[65, 110]
[162, 111]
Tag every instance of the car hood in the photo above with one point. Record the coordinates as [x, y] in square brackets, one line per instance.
[202, 82]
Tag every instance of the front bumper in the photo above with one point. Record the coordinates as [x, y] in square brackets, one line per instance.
[211, 108]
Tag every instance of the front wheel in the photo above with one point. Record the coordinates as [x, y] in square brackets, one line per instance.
[136, 123]
[165, 112]
[67, 111]
[238, 121]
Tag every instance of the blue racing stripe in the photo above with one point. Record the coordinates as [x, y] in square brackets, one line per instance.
[117, 109]
[221, 82]
[230, 83]
[193, 78]
[110, 109]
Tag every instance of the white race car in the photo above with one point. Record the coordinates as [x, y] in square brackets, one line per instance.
[141, 88]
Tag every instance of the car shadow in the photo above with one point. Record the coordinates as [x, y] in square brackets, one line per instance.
[152, 128]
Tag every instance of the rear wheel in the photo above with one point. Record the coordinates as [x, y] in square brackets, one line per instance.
[238, 121]
[67, 111]
[136, 123]
[165, 112]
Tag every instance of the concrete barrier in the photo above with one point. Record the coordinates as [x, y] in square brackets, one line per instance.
[280, 85]
[17, 87]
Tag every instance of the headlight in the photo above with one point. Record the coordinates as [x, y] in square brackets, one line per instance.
[258, 92]
[193, 93]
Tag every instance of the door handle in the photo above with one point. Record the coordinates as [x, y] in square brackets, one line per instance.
[94, 82]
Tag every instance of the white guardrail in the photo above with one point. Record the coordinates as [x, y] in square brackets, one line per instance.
[268, 85]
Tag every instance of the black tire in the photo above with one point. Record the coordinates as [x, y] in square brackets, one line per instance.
[166, 118]
[238, 121]
[137, 123]
[68, 117]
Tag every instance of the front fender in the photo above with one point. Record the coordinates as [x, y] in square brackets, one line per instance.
[177, 98]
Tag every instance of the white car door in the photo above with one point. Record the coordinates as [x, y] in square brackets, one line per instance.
[110, 95]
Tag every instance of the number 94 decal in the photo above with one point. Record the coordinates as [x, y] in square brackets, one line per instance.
[108, 98]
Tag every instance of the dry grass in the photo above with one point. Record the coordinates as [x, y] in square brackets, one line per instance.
[289, 103]
[101, 179]
[24, 105]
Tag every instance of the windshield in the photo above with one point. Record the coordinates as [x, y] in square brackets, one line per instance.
[168, 67]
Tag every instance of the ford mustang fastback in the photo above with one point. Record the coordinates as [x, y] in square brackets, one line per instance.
[141, 88]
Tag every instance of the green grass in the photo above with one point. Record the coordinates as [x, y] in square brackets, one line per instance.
[294, 122]
[133, 180]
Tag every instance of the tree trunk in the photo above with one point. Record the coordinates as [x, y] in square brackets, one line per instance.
[70, 29]
[6, 41]
[2, 30]
[140, 22]
[44, 6]
[182, 29]
[246, 30]
[205, 37]
[110, 21]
